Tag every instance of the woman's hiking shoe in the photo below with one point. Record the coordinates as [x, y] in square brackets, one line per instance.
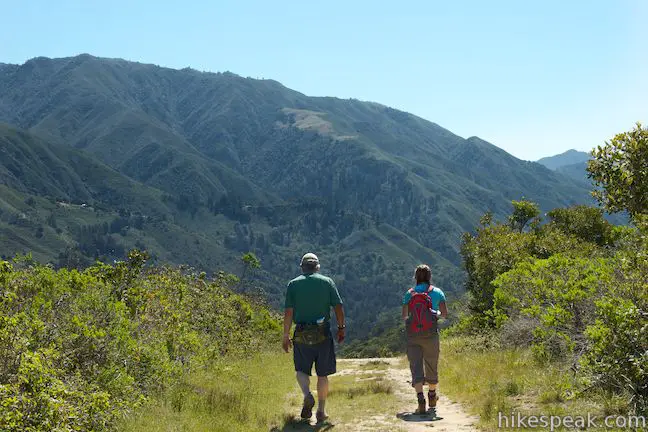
[307, 408]
[432, 398]
[321, 417]
[422, 409]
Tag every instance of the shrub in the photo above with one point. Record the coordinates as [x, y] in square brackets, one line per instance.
[559, 293]
[80, 349]
[618, 358]
[495, 249]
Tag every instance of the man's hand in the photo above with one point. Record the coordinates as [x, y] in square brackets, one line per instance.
[287, 343]
[339, 316]
[287, 323]
[340, 335]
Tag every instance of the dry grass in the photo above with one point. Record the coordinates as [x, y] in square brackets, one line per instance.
[313, 121]
[364, 388]
[375, 365]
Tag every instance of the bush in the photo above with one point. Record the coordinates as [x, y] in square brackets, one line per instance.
[584, 222]
[518, 332]
[495, 249]
[80, 349]
[559, 293]
[618, 356]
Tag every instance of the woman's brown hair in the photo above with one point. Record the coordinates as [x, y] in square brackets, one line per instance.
[423, 274]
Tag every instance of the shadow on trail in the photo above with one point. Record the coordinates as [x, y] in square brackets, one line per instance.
[411, 417]
[294, 425]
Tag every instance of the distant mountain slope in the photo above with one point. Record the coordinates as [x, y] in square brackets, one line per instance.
[570, 157]
[203, 136]
[577, 171]
[238, 164]
[571, 163]
[31, 165]
[62, 205]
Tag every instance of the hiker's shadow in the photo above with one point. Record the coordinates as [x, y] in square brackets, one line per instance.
[412, 417]
[303, 426]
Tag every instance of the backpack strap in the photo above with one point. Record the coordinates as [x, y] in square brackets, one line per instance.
[411, 290]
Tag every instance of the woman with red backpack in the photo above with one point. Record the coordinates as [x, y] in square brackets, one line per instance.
[422, 307]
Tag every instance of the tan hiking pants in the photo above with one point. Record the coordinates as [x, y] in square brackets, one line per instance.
[423, 356]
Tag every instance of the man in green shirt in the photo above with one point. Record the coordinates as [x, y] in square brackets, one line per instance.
[309, 299]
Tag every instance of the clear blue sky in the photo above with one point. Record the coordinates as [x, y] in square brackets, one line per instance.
[533, 77]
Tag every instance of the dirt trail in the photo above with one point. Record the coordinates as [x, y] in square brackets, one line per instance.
[450, 416]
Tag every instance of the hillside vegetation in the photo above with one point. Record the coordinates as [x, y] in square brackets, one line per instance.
[81, 350]
[573, 290]
[105, 155]
[556, 317]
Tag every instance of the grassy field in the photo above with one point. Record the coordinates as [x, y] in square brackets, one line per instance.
[489, 381]
[260, 394]
[237, 395]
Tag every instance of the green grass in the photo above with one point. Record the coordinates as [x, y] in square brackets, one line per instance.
[355, 389]
[361, 397]
[235, 395]
[260, 393]
[492, 380]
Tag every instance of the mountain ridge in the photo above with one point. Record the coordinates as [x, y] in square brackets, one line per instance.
[570, 157]
[242, 164]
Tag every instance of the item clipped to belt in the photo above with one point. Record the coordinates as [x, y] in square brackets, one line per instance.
[312, 334]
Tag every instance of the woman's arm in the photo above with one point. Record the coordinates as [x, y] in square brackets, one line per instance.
[444, 310]
[404, 312]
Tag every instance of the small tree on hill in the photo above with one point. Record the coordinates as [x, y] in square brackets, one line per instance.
[523, 212]
[584, 222]
[620, 170]
[250, 262]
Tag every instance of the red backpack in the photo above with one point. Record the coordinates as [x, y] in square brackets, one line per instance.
[422, 317]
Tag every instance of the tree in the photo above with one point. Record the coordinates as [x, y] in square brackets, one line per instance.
[523, 212]
[250, 262]
[584, 222]
[493, 250]
[620, 171]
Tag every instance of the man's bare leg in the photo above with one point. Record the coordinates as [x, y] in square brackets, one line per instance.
[309, 401]
[322, 394]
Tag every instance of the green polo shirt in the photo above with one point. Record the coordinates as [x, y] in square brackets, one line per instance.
[311, 296]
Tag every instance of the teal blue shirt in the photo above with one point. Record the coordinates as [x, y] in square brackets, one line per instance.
[436, 295]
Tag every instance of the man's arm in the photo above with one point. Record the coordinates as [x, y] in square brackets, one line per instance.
[287, 323]
[405, 312]
[444, 310]
[339, 316]
[336, 302]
